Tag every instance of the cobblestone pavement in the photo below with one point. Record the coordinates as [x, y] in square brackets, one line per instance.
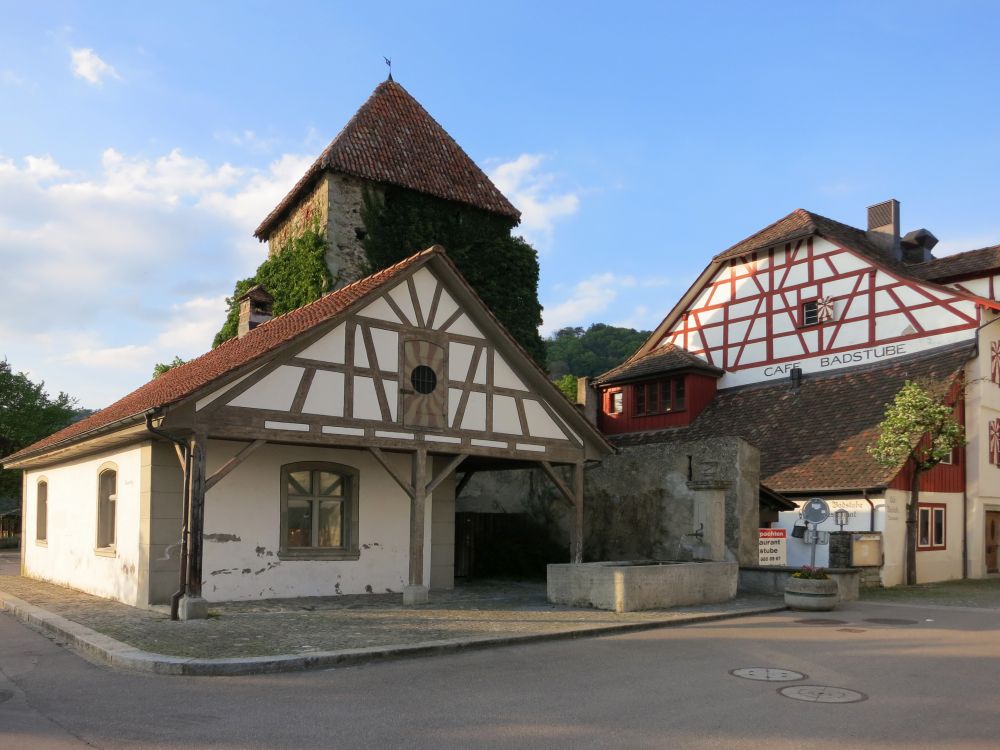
[979, 593]
[303, 626]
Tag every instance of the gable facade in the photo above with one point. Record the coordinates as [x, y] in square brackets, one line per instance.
[806, 307]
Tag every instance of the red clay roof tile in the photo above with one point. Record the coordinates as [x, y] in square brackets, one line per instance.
[393, 140]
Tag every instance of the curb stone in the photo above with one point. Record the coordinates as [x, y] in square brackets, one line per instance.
[123, 656]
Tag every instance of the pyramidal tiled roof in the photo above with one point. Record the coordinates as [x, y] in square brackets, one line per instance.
[184, 380]
[393, 140]
[970, 263]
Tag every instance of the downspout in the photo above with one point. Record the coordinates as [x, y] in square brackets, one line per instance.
[871, 512]
[182, 584]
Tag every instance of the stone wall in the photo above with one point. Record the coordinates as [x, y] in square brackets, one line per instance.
[311, 213]
[334, 208]
[647, 502]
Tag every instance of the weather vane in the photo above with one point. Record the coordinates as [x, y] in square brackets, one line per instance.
[389, 63]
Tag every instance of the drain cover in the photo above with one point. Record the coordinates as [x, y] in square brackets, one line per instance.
[768, 674]
[892, 621]
[821, 694]
[821, 621]
[851, 630]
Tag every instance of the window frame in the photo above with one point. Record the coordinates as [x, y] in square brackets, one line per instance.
[42, 514]
[933, 512]
[350, 550]
[803, 322]
[656, 388]
[103, 546]
[615, 395]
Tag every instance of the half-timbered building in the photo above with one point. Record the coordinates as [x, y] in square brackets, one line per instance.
[796, 338]
[314, 454]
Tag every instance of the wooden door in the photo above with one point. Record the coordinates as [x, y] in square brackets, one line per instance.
[992, 540]
[425, 385]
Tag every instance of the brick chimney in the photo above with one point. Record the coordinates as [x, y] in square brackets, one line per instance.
[255, 308]
[883, 227]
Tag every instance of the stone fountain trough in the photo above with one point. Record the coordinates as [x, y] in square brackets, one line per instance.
[628, 586]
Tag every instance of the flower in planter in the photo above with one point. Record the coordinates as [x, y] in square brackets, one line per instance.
[808, 571]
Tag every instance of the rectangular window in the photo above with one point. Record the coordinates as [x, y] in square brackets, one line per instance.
[107, 499]
[42, 512]
[810, 313]
[319, 512]
[615, 402]
[931, 532]
[658, 397]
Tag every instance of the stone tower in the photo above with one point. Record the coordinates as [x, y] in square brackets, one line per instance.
[391, 140]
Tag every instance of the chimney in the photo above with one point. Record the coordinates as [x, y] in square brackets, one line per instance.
[883, 227]
[917, 246]
[586, 399]
[255, 308]
[795, 375]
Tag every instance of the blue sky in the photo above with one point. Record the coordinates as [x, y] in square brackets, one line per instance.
[141, 145]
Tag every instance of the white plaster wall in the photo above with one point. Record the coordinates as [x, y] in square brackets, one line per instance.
[69, 557]
[859, 519]
[982, 406]
[246, 505]
[936, 565]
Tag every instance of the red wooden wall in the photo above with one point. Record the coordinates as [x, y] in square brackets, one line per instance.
[699, 390]
[943, 477]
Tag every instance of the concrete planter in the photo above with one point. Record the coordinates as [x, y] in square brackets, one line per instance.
[811, 594]
[631, 586]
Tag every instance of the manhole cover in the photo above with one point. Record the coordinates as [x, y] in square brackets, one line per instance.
[5, 695]
[821, 621]
[768, 674]
[892, 621]
[851, 630]
[821, 694]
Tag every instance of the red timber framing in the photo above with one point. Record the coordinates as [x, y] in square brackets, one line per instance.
[749, 314]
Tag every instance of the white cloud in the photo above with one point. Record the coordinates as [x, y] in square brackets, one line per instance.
[110, 270]
[595, 298]
[10, 78]
[531, 190]
[86, 64]
[247, 139]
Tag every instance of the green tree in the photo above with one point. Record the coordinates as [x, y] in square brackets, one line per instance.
[918, 431]
[161, 367]
[590, 352]
[567, 384]
[294, 276]
[27, 414]
[502, 269]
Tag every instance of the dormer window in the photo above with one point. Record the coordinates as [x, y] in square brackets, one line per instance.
[658, 396]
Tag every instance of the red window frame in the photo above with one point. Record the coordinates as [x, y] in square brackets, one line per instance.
[932, 512]
[609, 401]
[663, 396]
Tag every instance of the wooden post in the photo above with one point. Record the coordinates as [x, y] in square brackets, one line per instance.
[192, 606]
[578, 517]
[416, 592]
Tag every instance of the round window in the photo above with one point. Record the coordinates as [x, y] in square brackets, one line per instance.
[423, 379]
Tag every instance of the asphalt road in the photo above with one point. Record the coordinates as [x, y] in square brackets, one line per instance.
[932, 684]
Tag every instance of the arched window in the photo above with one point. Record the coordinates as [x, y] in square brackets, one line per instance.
[319, 511]
[42, 511]
[107, 499]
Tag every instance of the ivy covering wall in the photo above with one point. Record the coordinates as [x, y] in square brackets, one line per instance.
[295, 276]
[502, 269]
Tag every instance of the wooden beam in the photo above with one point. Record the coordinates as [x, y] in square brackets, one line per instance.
[558, 482]
[408, 488]
[180, 457]
[462, 482]
[232, 463]
[417, 506]
[445, 472]
[578, 518]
